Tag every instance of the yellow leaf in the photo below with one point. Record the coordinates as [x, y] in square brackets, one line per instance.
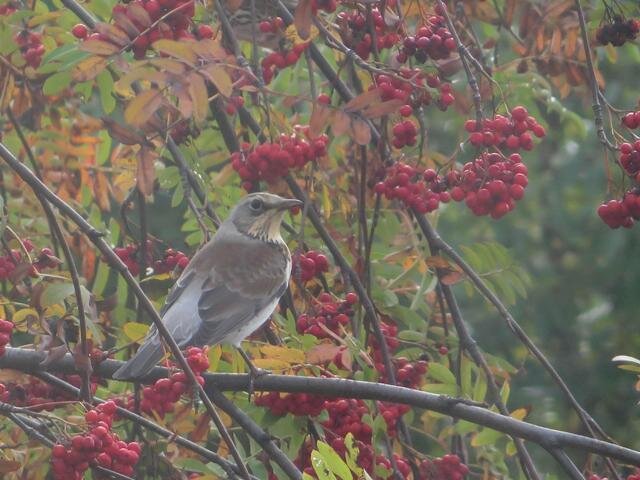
[146, 173]
[22, 316]
[113, 33]
[291, 356]
[99, 47]
[520, 413]
[272, 364]
[180, 50]
[218, 75]
[142, 107]
[214, 354]
[291, 34]
[199, 97]
[326, 202]
[135, 331]
[168, 65]
[89, 68]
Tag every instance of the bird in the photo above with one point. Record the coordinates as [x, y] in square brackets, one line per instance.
[230, 287]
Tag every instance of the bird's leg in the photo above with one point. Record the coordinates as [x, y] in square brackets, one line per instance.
[254, 372]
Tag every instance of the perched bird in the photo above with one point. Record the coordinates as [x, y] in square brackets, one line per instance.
[230, 287]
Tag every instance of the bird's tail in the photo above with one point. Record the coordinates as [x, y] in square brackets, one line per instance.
[147, 356]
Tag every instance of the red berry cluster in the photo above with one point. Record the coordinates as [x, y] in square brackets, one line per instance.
[329, 313]
[621, 213]
[279, 60]
[405, 183]
[182, 129]
[273, 25]
[9, 262]
[630, 158]
[46, 259]
[8, 8]
[300, 404]
[135, 19]
[99, 446]
[618, 32]
[631, 120]
[130, 254]
[31, 47]
[405, 134]
[513, 133]
[234, 104]
[433, 40]
[394, 88]
[491, 184]
[161, 397]
[355, 34]
[38, 395]
[271, 161]
[449, 467]
[172, 259]
[309, 265]
[6, 329]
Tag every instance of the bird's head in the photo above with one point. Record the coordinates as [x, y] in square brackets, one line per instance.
[259, 215]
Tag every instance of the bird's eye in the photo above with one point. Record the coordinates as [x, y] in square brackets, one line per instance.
[256, 205]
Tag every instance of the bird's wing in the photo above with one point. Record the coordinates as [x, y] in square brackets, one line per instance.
[229, 282]
[244, 281]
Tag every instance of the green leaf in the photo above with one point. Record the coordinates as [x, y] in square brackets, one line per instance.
[320, 466]
[441, 389]
[105, 87]
[55, 293]
[486, 437]
[465, 376]
[440, 373]
[505, 392]
[480, 388]
[334, 462]
[104, 147]
[56, 83]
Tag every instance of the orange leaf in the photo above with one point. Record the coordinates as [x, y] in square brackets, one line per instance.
[325, 352]
[363, 100]
[198, 93]
[113, 33]
[360, 131]
[219, 76]
[319, 118]
[452, 278]
[99, 47]
[120, 18]
[302, 18]
[509, 10]
[142, 107]
[570, 42]
[340, 123]
[437, 262]
[89, 68]
[381, 109]
[122, 134]
[146, 172]
[137, 13]
[556, 41]
[101, 191]
[180, 50]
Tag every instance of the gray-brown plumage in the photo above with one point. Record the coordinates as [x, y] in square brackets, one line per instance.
[230, 287]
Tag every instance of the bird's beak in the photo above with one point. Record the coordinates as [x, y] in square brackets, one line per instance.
[287, 203]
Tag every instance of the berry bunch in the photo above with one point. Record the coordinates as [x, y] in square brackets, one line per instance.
[99, 446]
[274, 25]
[38, 395]
[618, 32]
[431, 41]
[621, 213]
[345, 416]
[355, 34]
[329, 313]
[130, 254]
[631, 120]
[512, 132]
[279, 60]
[271, 161]
[409, 374]
[140, 20]
[160, 398]
[309, 265]
[234, 104]
[8, 8]
[31, 47]
[300, 404]
[172, 259]
[44, 260]
[491, 184]
[394, 88]
[449, 467]
[630, 158]
[6, 329]
[405, 134]
[405, 183]
[392, 412]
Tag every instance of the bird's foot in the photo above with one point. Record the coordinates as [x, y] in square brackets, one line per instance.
[254, 373]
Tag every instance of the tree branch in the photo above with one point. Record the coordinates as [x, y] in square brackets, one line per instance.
[28, 361]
